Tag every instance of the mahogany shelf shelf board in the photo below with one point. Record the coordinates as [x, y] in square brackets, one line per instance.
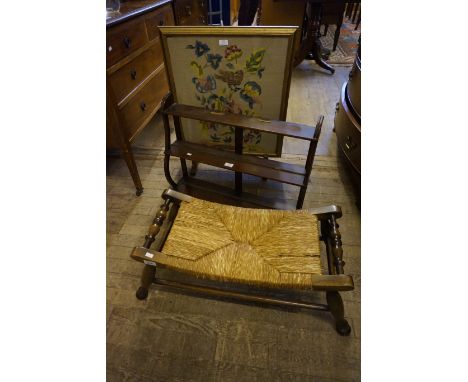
[288, 129]
[261, 167]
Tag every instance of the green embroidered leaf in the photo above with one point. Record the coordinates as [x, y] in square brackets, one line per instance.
[197, 69]
[252, 65]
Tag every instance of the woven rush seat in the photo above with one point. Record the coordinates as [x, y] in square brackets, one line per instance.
[233, 245]
[254, 246]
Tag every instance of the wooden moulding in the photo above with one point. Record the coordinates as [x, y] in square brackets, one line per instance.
[319, 282]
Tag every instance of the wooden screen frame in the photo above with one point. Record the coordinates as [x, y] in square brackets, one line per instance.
[287, 32]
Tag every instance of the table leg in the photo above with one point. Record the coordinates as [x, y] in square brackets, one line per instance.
[311, 46]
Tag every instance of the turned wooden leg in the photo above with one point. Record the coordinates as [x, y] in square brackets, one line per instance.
[335, 304]
[337, 248]
[149, 271]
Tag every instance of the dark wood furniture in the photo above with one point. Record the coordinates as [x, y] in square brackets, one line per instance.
[353, 91]
[331, 282]
[304, 13]
[348, 124]
[235, 161]
[136, 79]
[333, 14]
[191, 12]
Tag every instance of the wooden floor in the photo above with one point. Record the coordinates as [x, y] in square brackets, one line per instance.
[178, 337]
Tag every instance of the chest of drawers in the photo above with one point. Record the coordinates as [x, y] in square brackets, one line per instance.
[136, 77]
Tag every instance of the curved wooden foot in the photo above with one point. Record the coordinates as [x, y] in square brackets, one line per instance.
[147, 278]
[317, 55]
[343, 328]
[167, 171]
[139, 191]
[335, 304]
[324, 65]
[141, 293]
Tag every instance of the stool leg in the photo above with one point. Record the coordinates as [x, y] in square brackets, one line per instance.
[149, 272]
[147, 278]
[335, 304]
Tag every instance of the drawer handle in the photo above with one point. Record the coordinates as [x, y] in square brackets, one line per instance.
[188, 10]
[133, 74]
[127, 42]
[143, 106]
[161, 22]
[349, 143]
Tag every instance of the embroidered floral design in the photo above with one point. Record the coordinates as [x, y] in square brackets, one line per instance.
[214, 60]
[200, 48]
[198, 70]
[250, 93]
[204, 85]
[209, 66]
[232, 52]
[252, 65]
[233, 79]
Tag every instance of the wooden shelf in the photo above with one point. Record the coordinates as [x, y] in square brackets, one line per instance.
[261, 167]
[219, 194]
[288, 129]
[235, 160]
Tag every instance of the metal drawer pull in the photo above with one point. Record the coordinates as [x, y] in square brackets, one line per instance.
[127, 42]
[133, 74]
[188, 10]
[143, 106]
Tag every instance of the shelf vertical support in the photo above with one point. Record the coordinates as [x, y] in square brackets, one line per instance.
[309, 162]
[238, 134]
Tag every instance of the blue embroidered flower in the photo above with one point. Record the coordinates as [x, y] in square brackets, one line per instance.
[200, 48]
[250, 93]
[214, 60]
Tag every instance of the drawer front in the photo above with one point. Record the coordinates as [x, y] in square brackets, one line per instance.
[348, 132]
[144, 103]
[125, 39]
[129, 76]
[191, 12]
[354, 87]
[163, 16]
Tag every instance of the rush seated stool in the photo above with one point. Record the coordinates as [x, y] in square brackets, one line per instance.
[262, 248]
